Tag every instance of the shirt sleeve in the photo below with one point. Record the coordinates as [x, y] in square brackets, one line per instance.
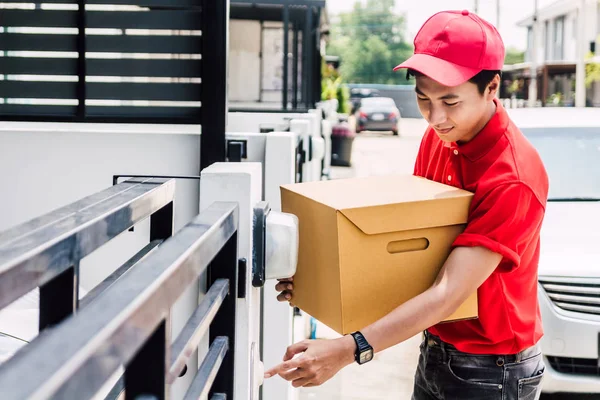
[419, 169]
[506, 221]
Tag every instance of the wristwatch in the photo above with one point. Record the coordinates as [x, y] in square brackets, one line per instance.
[364, 351]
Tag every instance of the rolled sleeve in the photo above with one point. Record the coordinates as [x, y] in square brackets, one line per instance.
[505, 220]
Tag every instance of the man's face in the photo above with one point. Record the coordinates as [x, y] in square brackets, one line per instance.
[457, 113]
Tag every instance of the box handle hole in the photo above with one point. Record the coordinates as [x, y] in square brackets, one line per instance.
[405, 246]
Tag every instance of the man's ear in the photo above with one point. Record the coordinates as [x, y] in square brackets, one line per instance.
[493, 87]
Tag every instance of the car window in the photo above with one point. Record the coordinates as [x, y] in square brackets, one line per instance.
[572, 158]
[378, 102]
[363, 93]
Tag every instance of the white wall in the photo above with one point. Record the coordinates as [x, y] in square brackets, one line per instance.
[272, 70]
[591, 20]
[256, 63]
[570, 37]
[244, 60]
[570, 51]
[46, 166]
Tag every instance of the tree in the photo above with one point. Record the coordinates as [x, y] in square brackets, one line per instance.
[332, 87]
[592, 71]
[370, 41]
[592, 68]
[514, 56]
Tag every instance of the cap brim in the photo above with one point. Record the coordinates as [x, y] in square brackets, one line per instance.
[442, 71]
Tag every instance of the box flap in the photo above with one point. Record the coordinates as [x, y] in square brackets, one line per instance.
[392, 203]
[353, 193]
[409, 216]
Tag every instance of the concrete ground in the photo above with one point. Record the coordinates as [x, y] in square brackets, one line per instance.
[390, 375]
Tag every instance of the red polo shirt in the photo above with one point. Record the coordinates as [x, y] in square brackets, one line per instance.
[510, 187]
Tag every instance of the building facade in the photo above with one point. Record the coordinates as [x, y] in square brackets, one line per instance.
[555, 51]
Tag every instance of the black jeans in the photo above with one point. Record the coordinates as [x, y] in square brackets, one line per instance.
[445, 373]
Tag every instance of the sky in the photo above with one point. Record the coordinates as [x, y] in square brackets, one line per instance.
[417, 12]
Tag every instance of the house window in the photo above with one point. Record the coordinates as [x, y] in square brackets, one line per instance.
[559, 38]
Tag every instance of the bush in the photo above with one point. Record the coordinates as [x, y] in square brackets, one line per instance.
[343, 96]
[332, 87]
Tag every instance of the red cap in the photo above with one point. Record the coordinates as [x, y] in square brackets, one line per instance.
[454, 46]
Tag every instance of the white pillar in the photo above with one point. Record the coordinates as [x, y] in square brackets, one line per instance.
[326, 129]
[581, 50]
[242, 183]
[280, 165]
[280, 168]
[318, 143]
[302, 128]
[533, 89]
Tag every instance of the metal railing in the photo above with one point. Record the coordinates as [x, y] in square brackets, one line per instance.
[155, 49]
[123, 324]
[45, 252]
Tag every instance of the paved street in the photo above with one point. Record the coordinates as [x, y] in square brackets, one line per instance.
[380, 153]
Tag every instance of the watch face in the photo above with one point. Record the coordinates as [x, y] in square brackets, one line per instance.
[366, 356]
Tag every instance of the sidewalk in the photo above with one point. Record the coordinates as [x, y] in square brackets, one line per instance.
[390, 374]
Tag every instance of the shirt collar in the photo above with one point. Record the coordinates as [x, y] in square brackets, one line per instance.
[485, 140]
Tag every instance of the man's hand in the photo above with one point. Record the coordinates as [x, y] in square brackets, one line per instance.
[286, 289]
[463, 272]
[317, 361]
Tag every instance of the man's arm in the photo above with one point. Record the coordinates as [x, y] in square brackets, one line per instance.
[505, 220]
[463, 272]
[492, 240]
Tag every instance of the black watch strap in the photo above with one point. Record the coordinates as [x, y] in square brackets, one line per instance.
[362, 345]
[361, 342]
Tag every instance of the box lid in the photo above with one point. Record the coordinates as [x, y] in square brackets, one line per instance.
[391, 203]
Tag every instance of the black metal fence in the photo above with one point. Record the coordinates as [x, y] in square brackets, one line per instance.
[301, 30]
[121, 324]
[112, 60]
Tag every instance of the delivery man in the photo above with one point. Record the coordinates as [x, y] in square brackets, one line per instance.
[470, 143]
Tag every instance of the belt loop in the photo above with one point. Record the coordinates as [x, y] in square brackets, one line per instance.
[428, 339]
[519, 357]
[444, 351]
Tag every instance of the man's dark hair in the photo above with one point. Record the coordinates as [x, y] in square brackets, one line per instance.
[482, 79]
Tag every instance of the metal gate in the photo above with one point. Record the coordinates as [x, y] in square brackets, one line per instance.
[117, 337]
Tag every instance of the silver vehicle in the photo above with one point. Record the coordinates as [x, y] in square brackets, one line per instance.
[377, 114]
[568, 141]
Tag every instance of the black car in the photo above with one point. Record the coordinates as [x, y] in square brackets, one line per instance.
[377, 114]
[357, 94]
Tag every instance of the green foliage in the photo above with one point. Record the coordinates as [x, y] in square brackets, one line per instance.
[555, 99]
[332, 87]
[370, 40]
[343, 96]
[514, 86]
[514, 56]
[592, 69]
[592, 72]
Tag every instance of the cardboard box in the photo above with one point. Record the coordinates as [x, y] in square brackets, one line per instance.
[368, 245]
